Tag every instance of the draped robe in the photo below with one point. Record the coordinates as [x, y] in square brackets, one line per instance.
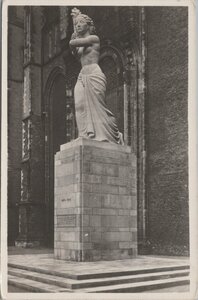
[94, 119]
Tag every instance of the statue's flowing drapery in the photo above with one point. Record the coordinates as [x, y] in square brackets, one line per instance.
[93, 118]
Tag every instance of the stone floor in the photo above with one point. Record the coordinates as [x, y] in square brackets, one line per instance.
[46, 261]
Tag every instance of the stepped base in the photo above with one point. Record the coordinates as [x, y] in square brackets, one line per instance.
[137, 275]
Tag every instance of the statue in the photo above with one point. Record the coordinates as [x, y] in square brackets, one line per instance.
[94, 120]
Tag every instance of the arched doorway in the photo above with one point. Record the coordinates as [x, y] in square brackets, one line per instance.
[55, 135]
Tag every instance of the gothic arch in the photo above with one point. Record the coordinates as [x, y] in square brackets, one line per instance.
[53, 74]
[125, 61]
[55, 82]
[108, 49]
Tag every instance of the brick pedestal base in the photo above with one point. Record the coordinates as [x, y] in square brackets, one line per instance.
[95, 202]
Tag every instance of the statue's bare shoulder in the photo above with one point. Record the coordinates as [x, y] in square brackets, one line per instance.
[94, 39]
[85, 41]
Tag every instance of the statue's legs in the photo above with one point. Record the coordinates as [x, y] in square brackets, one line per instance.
[94, 119]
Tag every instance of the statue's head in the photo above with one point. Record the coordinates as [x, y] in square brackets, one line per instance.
[83, 22]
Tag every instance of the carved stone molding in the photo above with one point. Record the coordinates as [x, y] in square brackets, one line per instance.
[26, 139]
[28, 35]
[27, 92]
[64, 21]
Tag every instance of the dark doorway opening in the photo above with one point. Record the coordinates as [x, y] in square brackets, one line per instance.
[56, 137]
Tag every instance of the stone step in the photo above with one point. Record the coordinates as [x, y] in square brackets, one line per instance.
[102, 274]
[78, 284]
[138, 287]
[35, 286]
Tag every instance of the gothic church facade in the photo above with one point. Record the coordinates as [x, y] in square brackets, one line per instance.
[144, 55]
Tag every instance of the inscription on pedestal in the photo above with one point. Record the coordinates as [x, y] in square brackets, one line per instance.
[66, 221]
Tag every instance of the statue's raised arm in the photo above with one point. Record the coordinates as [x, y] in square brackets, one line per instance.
[94, 119]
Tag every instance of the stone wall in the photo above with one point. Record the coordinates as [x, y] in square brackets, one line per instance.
[15, 97]
[167, 130]
[32, 202]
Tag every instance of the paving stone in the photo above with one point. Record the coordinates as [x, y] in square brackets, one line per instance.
[47, 260]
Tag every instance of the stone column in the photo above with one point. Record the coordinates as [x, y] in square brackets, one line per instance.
[15, 94]
[31, 205]
[95, 201]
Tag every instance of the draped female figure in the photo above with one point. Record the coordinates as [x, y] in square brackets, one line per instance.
[94, 119]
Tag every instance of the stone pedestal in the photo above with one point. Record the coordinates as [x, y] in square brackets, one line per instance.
[95, 201]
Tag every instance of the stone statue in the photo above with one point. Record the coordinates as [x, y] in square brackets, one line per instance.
[94, 120]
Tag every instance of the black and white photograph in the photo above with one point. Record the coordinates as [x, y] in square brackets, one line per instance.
[98, 159]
